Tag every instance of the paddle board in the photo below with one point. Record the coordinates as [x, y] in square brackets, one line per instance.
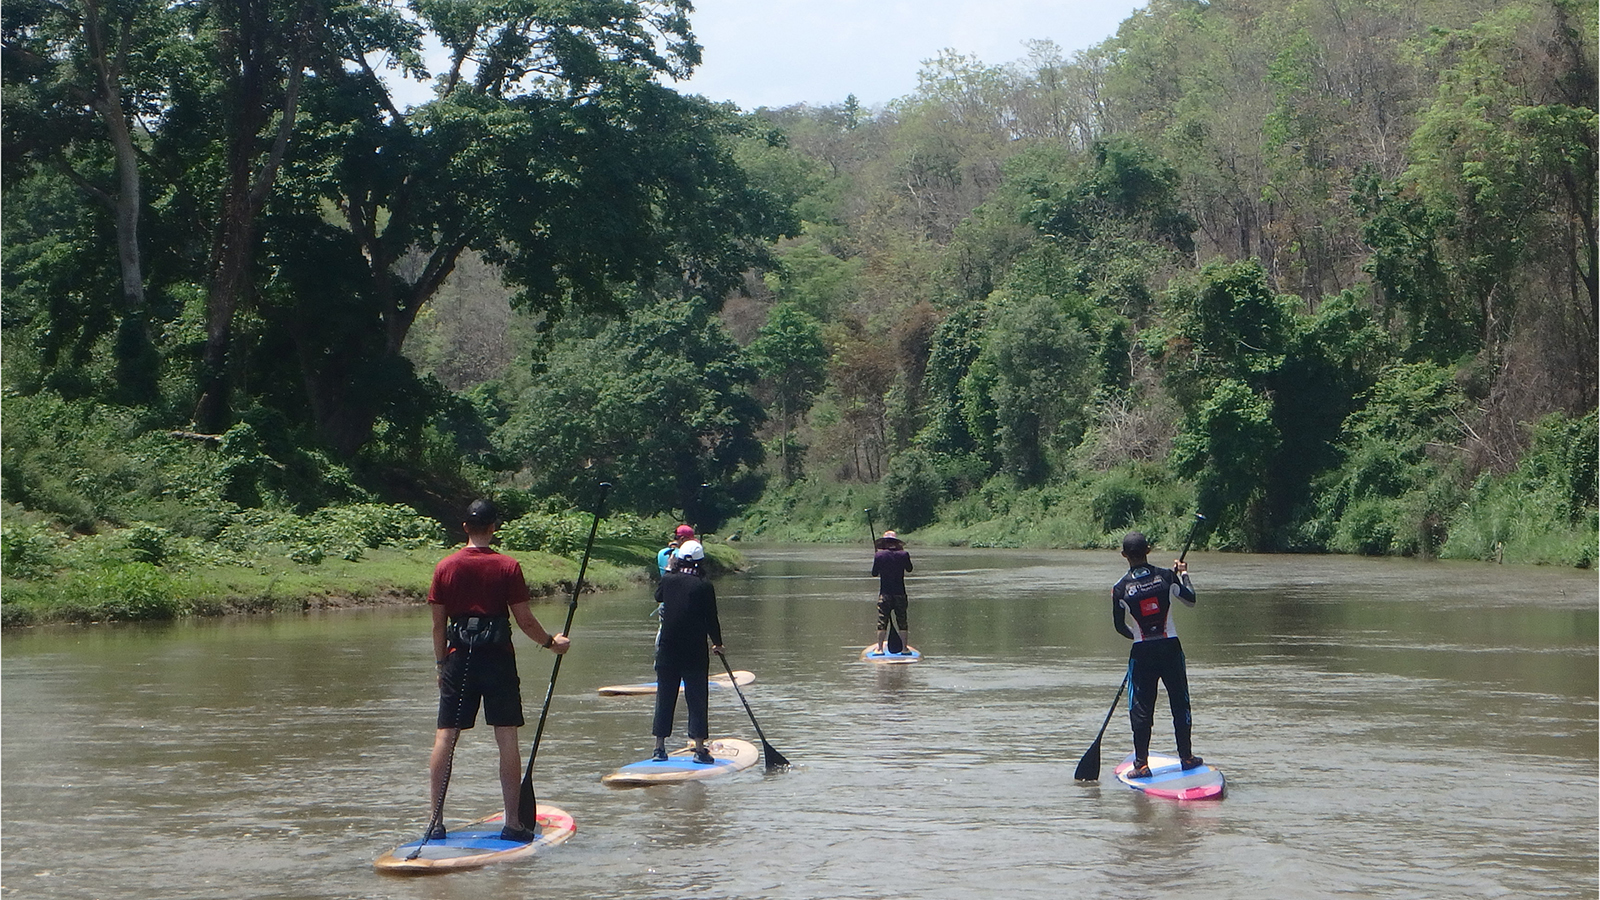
[872, 654]
[1168, 779]
[731, 755]
[476, 844]
[649, 687]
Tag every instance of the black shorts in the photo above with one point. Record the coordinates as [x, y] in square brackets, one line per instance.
[486, 675]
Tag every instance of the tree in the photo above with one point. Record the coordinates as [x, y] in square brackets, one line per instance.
[559, 158]
[658, 403]
[80, 77]
[1025, 393]
[793, 362]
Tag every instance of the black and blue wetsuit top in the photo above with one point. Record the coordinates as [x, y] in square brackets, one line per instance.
[1146, 593]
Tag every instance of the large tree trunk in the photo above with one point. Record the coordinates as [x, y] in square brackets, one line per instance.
[250, 178]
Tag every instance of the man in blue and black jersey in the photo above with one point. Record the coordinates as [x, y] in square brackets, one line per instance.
[1146, 593]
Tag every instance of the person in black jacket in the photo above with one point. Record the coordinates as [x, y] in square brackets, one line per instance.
[1146, 593]
[688, 605]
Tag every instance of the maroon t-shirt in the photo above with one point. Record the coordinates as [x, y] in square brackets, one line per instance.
[478, 581]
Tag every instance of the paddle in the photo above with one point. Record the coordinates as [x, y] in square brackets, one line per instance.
[770, 756]
[1089, 766]
[527, 808]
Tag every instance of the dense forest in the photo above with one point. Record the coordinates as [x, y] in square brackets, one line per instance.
[1325, 272]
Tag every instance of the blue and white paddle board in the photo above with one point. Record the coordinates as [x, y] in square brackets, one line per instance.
[1170, 780]
[476, 844]
[720, 680]
[731, 755]
[871, 653]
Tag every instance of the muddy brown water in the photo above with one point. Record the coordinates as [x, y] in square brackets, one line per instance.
[1389, 729]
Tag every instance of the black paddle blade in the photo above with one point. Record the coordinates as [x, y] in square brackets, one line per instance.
[775, 761]
[527, 806]
[1089, 766]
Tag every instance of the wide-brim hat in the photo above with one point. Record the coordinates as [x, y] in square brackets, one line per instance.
[889, 541]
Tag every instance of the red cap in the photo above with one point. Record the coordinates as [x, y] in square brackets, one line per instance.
[685, 531]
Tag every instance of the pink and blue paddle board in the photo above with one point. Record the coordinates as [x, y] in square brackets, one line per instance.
[1169, 779]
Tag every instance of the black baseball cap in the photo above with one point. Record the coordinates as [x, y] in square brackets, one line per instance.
[482, 512]
[1134, 543]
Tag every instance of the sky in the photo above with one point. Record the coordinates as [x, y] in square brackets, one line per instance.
[782, 52]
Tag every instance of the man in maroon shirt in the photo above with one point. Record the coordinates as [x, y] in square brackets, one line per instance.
[475, 594]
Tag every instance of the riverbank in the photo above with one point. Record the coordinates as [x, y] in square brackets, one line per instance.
[143, 591]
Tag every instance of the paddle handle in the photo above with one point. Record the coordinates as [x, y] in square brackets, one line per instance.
[1190, 539]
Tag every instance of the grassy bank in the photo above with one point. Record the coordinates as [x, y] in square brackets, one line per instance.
[1523, 518]
[146, 574]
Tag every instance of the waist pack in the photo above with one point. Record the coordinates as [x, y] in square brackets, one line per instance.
[479, 631]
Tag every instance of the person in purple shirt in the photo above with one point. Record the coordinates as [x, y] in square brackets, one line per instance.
[890, 564]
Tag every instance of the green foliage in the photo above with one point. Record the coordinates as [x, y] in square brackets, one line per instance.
[1226, 445]
[1545, 510]
[810, 509]
[969, 313]
[551, 533]
[1027, 387]
[1394, 488]
[1118, 500]
[564, 533]
[659, 404]
[912, 489]
[29, 550]
[811, 279]
[793, 363]
[342, 532]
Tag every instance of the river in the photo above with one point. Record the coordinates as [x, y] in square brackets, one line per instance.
[1389, 729]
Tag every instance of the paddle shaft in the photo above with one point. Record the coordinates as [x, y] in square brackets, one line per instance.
[527, 807]
[1089, 765]
[1190, 539]
[774, 759]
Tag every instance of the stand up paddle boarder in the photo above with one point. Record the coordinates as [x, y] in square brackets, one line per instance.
[1146, 593]
[476, 593]
[890, 564]
[688, 606]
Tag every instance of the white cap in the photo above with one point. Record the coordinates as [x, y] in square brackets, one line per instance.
[690, 550]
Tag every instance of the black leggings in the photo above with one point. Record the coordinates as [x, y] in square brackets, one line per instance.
[692, 670]
[1149, 662]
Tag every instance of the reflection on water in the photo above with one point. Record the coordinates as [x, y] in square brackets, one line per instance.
[1389, 728]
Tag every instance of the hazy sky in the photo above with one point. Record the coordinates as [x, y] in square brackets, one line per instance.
[781, 52]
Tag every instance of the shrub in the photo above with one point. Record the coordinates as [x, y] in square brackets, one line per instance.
[911, 490]
[1118, 501]
[563, 533]
[29, 551]
[147, 543]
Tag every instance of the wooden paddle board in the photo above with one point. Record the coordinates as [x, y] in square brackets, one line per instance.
[649, 687]
[871, 654]
[1169, 780]
[476, 844]
[731, 755]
